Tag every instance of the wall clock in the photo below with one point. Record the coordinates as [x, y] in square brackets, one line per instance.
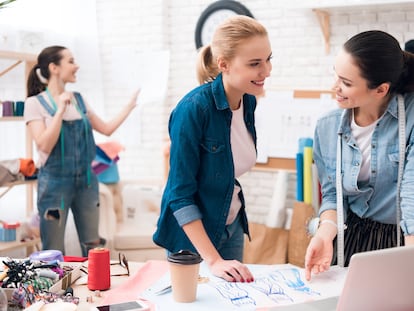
[213, 15]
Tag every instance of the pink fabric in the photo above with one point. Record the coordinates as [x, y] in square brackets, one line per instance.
[111, 148]
[147, 275]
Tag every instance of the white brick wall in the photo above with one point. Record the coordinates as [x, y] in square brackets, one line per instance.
[299, 62]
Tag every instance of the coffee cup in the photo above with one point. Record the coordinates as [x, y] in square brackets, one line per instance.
[184, 267]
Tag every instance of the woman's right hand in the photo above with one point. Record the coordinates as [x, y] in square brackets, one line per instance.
[231, 271]
[318, 256]
[63, 101]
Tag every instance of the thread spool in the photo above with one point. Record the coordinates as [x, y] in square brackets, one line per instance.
[8, 108]
[99, 274]
[19, 108]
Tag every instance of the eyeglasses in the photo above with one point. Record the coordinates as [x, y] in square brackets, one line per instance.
[123, 262]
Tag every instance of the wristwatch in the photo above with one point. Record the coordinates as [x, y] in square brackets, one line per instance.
[213, 15]
[314, 223]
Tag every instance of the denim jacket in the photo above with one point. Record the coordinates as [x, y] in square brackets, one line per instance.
[201, 178]
[376, 198]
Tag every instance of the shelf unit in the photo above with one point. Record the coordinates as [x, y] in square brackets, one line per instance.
[324, 8]
[28, 60]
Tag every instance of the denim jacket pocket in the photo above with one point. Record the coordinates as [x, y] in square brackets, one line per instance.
[212, 146]
[394, 158]
[213, 162]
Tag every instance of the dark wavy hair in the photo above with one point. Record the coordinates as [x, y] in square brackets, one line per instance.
[381, 60]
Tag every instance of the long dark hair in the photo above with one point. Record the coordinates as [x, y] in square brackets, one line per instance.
[381, 60]
[51, 54]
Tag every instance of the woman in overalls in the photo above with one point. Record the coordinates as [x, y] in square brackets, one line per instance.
[61, 125]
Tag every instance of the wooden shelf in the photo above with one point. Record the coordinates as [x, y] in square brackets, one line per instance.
[28, 60]
[324, 8]
[274, 164]
[9, 186]
[29, 244]
[25, 57]
[11, 119]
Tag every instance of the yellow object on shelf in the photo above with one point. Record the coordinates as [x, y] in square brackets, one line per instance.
[307, 175]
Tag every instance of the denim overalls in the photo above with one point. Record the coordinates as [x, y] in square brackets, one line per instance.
[67, 181]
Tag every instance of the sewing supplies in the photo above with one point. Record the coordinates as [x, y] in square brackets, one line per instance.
[31, 281]
[99, 274]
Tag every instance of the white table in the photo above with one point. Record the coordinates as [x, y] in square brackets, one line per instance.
[80, 288]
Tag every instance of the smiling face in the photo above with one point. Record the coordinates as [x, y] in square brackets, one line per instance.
[351, 89]
[247, 70]
[66, 69]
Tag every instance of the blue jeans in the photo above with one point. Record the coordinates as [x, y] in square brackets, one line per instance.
[232, 241]
[82, 200]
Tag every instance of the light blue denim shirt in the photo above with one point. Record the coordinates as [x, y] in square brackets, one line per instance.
[201, 179]
[376, 198]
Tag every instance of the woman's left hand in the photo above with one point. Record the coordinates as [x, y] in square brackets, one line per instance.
[409, 240]
[231, 271]
[133, 101]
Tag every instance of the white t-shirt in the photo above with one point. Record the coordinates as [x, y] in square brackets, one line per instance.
[34, 110]
[244, 156]
[362, 135]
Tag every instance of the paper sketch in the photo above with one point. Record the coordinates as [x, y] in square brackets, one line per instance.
[274, 284]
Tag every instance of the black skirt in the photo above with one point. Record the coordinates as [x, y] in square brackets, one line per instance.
[363, 235]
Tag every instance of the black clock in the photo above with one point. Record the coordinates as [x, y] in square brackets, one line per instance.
[213, 15]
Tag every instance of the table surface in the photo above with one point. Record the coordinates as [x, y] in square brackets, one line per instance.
[80, 288]
[140, 272]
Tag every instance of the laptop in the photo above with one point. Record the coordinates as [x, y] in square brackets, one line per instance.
[380, 280]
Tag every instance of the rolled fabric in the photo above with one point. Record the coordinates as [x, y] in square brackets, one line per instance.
[27, 167]
[47, 255]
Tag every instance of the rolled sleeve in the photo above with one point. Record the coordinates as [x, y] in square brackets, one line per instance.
[187, 214]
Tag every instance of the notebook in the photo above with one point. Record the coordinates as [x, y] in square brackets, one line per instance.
[379, 280]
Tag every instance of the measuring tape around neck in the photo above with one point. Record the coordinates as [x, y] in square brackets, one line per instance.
[401, 138]
[339, 203]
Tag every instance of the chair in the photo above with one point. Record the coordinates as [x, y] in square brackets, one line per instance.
[128, 217]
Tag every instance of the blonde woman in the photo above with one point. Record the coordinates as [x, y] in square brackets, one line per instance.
[213, 142]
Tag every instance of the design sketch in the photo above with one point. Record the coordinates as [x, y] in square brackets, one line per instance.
[273, 290]
[275, 285]
[238, 296]
[291, 277]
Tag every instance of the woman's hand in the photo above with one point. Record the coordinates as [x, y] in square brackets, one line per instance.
[63, 101]
[318, 256]
[409, 240]
[133, 101]
[231, 271]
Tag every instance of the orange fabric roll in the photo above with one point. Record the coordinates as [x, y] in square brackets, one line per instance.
[27, 167]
